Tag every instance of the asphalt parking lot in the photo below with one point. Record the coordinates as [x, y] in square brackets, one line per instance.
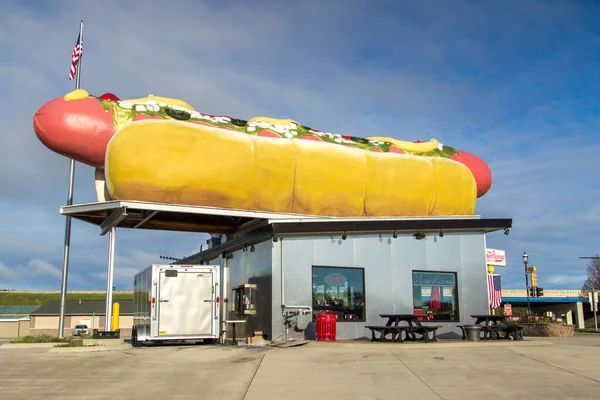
[541, 368]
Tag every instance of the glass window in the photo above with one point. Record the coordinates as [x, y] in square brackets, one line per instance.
[341, 290]
[435, 295]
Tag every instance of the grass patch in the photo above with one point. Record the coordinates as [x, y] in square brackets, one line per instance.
[9, 298]
[38, 339]
[71, 344]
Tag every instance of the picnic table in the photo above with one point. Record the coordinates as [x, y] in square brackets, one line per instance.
[495, 325]
[412, 328]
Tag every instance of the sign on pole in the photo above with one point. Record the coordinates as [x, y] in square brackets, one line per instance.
[495, 257]
[593, 298]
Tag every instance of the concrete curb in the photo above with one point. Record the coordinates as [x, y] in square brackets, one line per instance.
[27, 345]
[101, 342]
[86, 349]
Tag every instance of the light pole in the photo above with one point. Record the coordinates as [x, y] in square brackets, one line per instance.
[593, 304]
[525, 258]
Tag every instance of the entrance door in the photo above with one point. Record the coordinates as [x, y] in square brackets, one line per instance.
[186, 303]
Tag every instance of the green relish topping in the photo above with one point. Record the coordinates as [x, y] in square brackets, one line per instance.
[124, 113]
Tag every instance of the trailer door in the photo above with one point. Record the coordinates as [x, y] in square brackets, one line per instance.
[186, 303]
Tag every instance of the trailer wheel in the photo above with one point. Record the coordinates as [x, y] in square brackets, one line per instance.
[134, 337]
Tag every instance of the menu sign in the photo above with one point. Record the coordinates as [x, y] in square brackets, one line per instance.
[495, 257]
[335, 280]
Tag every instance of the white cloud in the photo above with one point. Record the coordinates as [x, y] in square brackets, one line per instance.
[354, 69]
[6, 272]
[567, 280]
[122, 277]
[40, 267]
[36, 274]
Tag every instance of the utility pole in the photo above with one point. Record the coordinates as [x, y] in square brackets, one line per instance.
[525, 259]
[593, 296]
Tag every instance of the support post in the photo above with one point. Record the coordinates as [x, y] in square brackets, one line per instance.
[109, 278]
[579, 315]
[224, 297]
[67, 246]
[595, 308]
[527, 290]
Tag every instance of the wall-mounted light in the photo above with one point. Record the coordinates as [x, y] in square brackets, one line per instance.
[419, 236]
[344, 236]
[506, 231]
[275, 239]
[395, 235]
[245, 248]
[252, 248]
[441, 233]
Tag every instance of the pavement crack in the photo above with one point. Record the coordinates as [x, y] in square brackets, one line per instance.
[552, 365]
[418, 377]
[253, 376]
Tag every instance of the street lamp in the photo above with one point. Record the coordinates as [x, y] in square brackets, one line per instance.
[525, 258]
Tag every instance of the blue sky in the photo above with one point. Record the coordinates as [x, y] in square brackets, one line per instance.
[515, 82]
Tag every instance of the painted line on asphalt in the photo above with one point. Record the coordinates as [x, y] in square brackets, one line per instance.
[253, 376]
[418, 377]
[553, 365]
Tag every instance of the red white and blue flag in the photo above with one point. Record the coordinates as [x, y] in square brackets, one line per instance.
[495, 290]
[77, 53]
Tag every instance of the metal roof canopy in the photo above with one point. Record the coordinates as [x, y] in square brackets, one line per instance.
[249, 227]
[339, 226]
[170, 217]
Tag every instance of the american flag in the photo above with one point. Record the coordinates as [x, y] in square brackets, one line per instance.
[77, 53]
[495, 290]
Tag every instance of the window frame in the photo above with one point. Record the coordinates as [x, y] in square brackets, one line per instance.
[456, 288]
[364, 284]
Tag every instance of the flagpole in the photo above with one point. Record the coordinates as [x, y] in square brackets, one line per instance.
[67, 244]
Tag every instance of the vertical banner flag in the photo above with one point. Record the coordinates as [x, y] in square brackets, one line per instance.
[435, 302]
[495, 290]
[77, 53]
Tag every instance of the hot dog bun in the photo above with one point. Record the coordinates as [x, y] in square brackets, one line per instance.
[168, 161]
[79, 126]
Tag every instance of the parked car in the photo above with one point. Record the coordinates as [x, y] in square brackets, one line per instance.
[80, 330]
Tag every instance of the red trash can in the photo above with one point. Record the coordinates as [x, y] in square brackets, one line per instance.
[326, 326]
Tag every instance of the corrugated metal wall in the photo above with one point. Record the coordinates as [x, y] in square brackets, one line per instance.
[252, 267]
[388, 264]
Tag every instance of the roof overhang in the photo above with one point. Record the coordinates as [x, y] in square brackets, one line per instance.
[418, 225]
[245, 228]
[274, 229]
[168, 217]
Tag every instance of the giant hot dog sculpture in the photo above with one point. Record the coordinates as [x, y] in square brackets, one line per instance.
[158, 149]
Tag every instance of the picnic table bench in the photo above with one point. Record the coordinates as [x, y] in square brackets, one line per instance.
[413, 328]
[497, 327]
[384, 330]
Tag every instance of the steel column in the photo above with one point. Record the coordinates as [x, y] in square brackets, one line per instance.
[109, 278]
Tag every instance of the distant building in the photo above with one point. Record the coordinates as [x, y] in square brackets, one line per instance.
[15, 321]
[44, 320]
[567, 304]
[19, 321]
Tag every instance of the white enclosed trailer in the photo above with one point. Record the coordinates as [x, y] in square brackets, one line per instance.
[176, 302]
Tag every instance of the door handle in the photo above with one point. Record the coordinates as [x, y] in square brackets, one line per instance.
[208, 301]
[164, 301]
